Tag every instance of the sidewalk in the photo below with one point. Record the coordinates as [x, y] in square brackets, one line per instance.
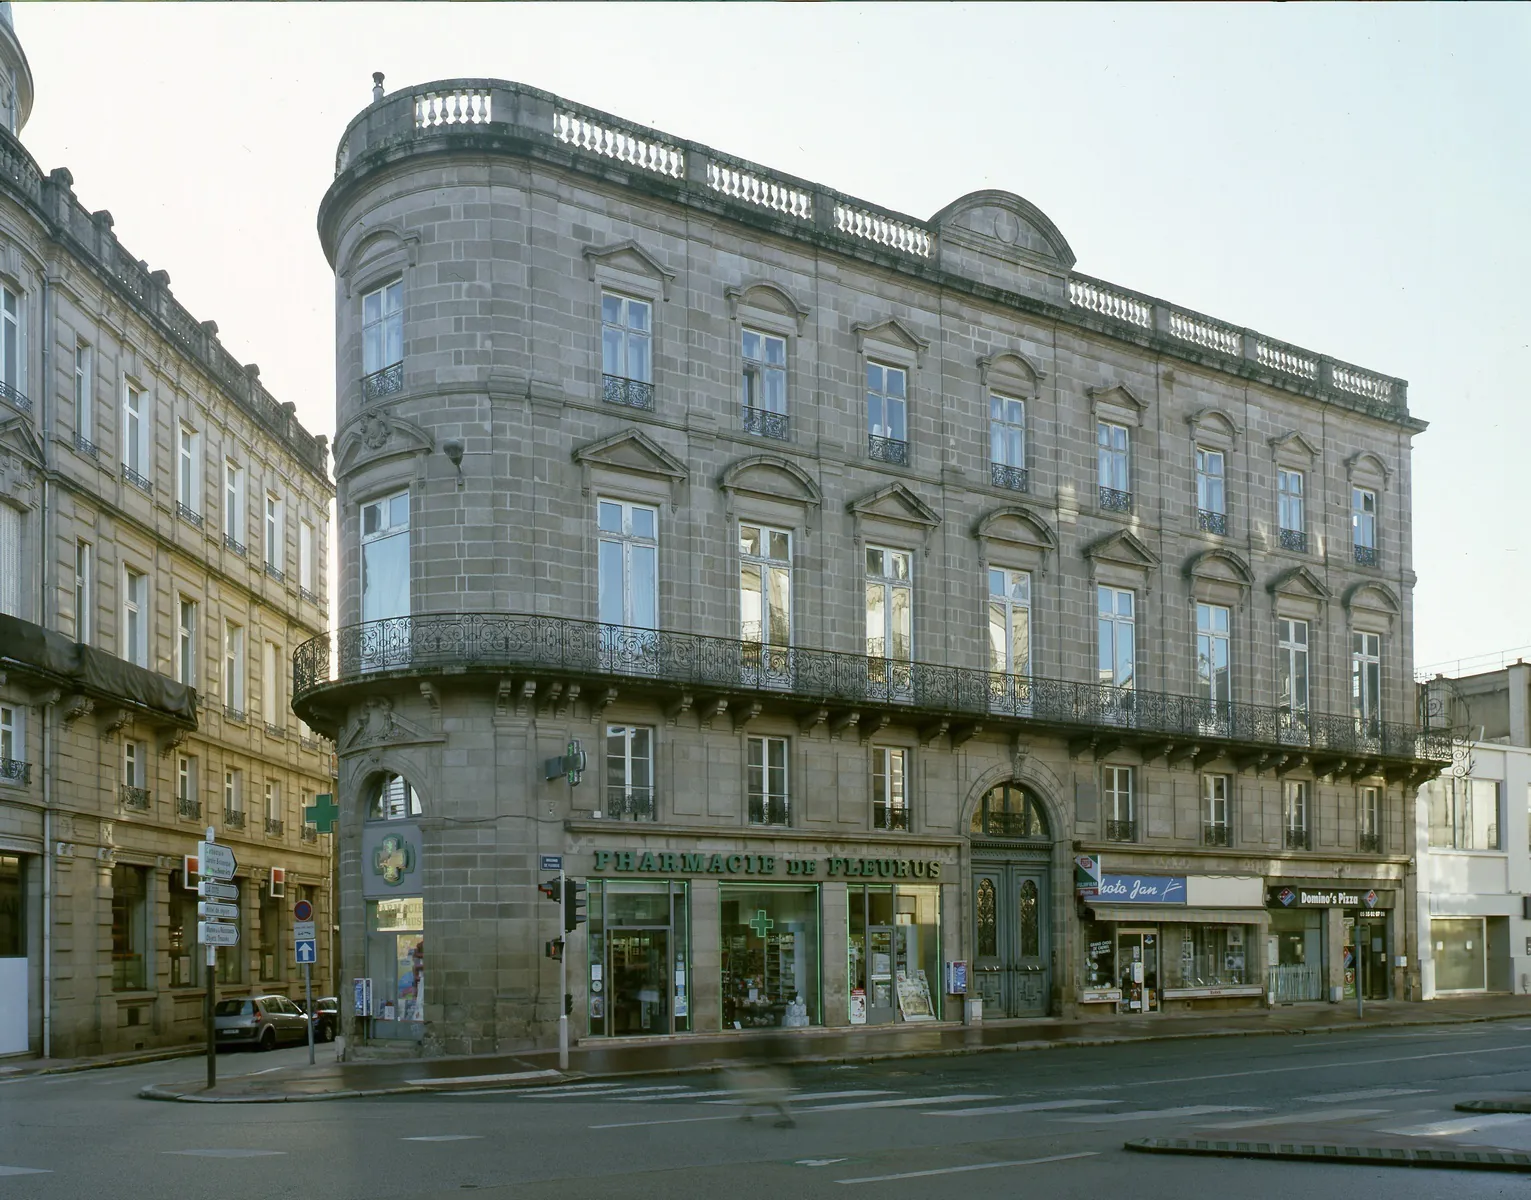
[707, 1052]
[14, 1068]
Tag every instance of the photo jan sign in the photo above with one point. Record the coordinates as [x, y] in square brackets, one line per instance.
[1142, 889]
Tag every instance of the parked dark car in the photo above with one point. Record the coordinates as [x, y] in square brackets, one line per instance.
[326, 1018]
[263, 1022]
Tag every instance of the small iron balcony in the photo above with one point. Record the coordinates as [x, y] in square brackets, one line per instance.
[1115, 501]
[888, 450]
[234, 714]
[137, 480]
[274, 826]
[188, 807]
[85, 446]
[632, 804]
[136, 798]
[631, 393]
[1369, 841]
[308, 834]
[1211, 522]
[770, 809]
[191, 518]
[233, 818]
[1366, 556]
[1214, 833]
[276, 572]
[234, 544]
[1121, 831]
[1294, 539]
[383, 383]
[311, 597]
[1298, 838]
[762, 422]
[15, 398]
[1005, 476]
[13, 770]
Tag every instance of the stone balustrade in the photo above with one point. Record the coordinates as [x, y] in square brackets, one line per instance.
[612, 141]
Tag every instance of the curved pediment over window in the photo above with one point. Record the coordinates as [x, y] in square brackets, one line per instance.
[1006, 225]
[773, 478]
[1372, 596]
[768, 295]
[376, 435]
[1219, 566]
[1019, 525]
[1366, 467]
[385, 244]
[1213, 422]
[1010, 370]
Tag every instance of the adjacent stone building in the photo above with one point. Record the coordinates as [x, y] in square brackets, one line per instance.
[162, 549]
[937, 623]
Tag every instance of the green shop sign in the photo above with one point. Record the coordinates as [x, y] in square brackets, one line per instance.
[670, 862]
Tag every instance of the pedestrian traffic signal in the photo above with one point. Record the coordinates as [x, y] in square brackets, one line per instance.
[554, 949]
[549, 889]
[573, 904]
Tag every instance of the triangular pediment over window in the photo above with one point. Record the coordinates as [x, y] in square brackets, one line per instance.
[1123, 547]
[21, 456]
[1293, 444]
[631, 257]
[634, 451]
[896, 503]
[1117, 395]
[892, 332]
[1298, 581]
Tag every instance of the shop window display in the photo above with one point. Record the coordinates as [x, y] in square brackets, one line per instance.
[1211, 956]
[396, 959]
[639, 977]
[770, 956]
[1296, 955]
[894, 953]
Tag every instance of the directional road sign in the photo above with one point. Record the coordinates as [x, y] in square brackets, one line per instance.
[552, 862]
[306, 951]
[211, 889]
[216, 861]
[303, 931]
[211, 933]
[217, 911]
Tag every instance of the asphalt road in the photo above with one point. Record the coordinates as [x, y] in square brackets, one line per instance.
[998, 1125]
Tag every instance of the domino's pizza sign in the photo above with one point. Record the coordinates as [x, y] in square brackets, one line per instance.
[1286, 896]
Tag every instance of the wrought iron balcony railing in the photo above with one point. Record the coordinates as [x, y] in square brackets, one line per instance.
[276, 731]
[1214, 833]
[1366, 556]
[1294, 539]
[888, 450]
[764, 423]
[1005, 476]
[274, 826]
[1369, 841]
[564, 647]
[234, 544]
[233, 818]
[142, 483]
[189, 807]
[1299, 838]
[383, 383]
[1121, 831]
[15, 398]
[187, 515]
[233, 714]
[85, 446]
[1113, 500]
[1211, 522]
[770, 809]
[630, 803]
[311, 596]
[276, 572]
[632, 393]
[136, 798]
[13, 770]
[308, 834]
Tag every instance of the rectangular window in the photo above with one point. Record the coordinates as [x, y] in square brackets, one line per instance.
[10, 561]
[135, 617]
[1363, 518]
[1211, 496]
[1369, 819]
[273, 806]
[13, 746]
[188, 804]
[1009, 621]
[1121, 813]
[133, 428]
[272, 960]
[1289, 501]
[765, 382]
[1214, 809]
[130, 927]
[385, 558]
[274, 554]
[1007, 435]
[306, 556]
[1366, 682]
[765, 585]
[12, 357]
[1113, 465]
[1214, 677]
[233, 510]
[1292, 665]
[234, 669]
[1480, 822]
[185, 969]
[382, 338]
[188, 479]
[13, 913]
[768, 795]
[887, 413]
[132, 765]
[84, 393]
[234, 795]
[271, 685]
[1295, 815]
[628, 566]
[1116, 637]
[890, 798]
[186, 643]
[84, 599]
[630, 772]
[627, 330]
[889, 604]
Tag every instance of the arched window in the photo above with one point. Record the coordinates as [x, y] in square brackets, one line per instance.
[393, 799]
[1011, 811]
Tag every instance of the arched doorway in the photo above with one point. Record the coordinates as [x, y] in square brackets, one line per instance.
[395, 903]
[1012, 951]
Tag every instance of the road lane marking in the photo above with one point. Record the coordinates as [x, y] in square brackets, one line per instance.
[1037, 1106]
[799, 1097]
[818, 1162]
[993, 1166]
[1363, 1094]
[25, 1171]
[445, 1137]
[1160, 1114]
[906, 1102]
[228, 1153]
[1327, 1065]
[1461, 1125]
[1321, 1115]
[671, 1121]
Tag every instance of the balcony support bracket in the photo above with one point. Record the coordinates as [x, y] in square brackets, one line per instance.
[743, 716]
[566, 705]
[842, 721]
[870, 729]
[929, 733]
[965, 732]
[711, 709]
[812, 719]
[674, 709]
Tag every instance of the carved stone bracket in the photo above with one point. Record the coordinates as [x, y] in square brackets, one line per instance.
[870, 729]
[935, 729]
[965, 732]
[842, 721]
[504, 697]
[527, 697]
[743, 716]
[601, 703]
[432, 696]
[812, 719]
[113, 719]
[566, 705]
[170, 741]
[674, 709]
[77, 706]
[711, 710]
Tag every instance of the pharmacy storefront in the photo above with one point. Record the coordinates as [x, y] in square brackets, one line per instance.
[736, 938]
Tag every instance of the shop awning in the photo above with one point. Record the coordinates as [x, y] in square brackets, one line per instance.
[1180, 914]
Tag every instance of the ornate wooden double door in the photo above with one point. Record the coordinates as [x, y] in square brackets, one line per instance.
[1011, 956]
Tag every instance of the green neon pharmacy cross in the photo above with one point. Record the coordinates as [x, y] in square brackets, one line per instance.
[322, 813]
[760, 923]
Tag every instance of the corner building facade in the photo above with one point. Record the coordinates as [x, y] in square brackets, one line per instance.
[881, 568]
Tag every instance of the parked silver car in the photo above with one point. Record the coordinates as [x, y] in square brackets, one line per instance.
[260, 1021]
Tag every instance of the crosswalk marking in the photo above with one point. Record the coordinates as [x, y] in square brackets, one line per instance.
[1160, 1114]
[992, 1166]
[1323, 1115]
[445, 1137]
[24, 1171]
[803, 1097]
[670, 1121]
[1363, 1094]
[1463, 1125]
[906, 1102]
[1035, 1106]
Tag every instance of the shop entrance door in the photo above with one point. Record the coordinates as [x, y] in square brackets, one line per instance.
[1137, 969]
[880, 998]
[638, 962]
[1012, 965]
[1371, 958]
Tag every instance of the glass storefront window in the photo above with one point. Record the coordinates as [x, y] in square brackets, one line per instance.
[770, 945]
[639, 958]
[184, 967]
[1296, 960]
[894, 953]
[396, 964]
[1211, 956]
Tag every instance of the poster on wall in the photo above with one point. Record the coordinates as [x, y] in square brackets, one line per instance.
[914, 997]
[858, 1006]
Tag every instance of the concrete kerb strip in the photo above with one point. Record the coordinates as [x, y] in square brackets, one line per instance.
[149, 1056]
[1505, 1105]
[1455, 1158]
[533, 1079]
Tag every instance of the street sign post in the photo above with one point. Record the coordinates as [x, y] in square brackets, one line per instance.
[217, 862]
[215, 865]
[305, 952]
[216, 910]
[211, 889]
[215, 933]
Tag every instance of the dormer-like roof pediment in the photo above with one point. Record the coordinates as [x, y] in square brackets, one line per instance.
[893, 332]
[896, 503]
[629, 256]
[1298, 581]
[632, 450]
[1123, 547]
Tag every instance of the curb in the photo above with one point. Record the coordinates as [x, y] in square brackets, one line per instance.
[1483, 1159]
[482, 1082]
[149, 1056]
[1521, 1105]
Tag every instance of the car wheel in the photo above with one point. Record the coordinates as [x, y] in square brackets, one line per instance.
[326, 1031]
[267, 1039]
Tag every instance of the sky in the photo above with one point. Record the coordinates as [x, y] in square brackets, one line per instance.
[1352, 178]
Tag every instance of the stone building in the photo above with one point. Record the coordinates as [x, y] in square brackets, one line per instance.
[881, 568]
[162, 548]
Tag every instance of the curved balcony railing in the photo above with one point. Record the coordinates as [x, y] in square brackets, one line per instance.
[563, 646]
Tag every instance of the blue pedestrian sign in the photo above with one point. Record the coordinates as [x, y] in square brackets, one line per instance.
[307, 951]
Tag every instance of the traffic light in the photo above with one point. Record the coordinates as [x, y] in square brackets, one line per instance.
[573, 904]
[549, 889]
[554, 949]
